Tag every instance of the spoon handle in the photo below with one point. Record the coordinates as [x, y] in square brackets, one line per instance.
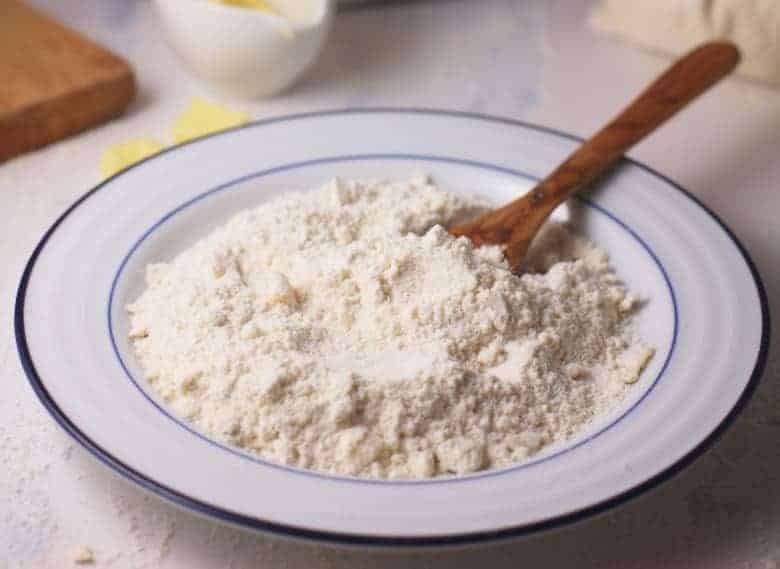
[516, 223]
[685, 80]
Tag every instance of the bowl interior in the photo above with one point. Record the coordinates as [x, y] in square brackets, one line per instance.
[195, 218]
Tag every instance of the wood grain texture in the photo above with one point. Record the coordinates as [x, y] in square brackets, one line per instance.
[516, 223]
[53, 81]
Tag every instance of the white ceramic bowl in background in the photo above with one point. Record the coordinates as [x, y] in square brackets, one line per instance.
[243, 52]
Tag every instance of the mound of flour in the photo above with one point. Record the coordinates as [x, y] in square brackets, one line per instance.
[344, 330]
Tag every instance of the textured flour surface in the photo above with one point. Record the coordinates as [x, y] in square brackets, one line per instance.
[345, 330]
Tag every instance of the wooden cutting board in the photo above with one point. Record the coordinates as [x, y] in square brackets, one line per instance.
[53, 81]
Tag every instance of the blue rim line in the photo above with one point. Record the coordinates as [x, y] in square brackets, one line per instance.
[356, 540]
[363, 157]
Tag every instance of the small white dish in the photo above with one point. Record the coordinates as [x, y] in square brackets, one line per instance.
[244, 52]
[706, 315]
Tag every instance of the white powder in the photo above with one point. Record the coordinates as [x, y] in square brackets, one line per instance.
[344, 330]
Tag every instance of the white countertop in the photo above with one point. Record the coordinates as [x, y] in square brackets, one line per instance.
[531, 60]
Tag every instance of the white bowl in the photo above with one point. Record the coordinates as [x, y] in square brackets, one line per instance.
[706, 314]
[243, 52]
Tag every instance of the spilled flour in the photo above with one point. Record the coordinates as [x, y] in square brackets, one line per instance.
[344, 330]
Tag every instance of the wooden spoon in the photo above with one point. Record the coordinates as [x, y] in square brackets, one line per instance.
[515, 224]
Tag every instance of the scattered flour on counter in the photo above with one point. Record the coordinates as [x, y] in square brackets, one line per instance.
[344, 330]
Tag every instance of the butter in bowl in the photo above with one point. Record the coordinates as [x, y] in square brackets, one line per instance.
[247, 48]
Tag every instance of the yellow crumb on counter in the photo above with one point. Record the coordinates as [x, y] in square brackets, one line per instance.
[83, 555]
[119, 156]
[202, 118]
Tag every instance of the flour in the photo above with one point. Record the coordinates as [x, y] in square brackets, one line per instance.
[344, 330]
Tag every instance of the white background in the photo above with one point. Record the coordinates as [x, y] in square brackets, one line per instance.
[531, 60]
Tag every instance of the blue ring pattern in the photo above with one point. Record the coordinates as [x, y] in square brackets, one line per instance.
[364, 157]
